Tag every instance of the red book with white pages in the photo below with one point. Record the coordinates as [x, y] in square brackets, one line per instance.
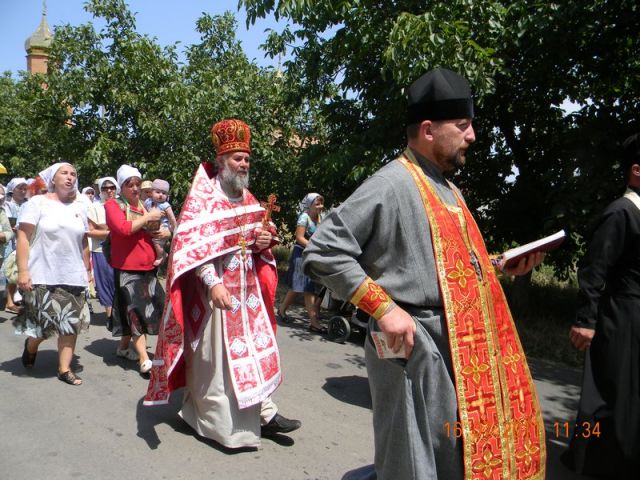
[512, 257]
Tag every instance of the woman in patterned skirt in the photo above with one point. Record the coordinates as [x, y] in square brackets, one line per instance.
[53, 269]
[139, 297]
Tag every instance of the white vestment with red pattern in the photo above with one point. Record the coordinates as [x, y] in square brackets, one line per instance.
[211, 227]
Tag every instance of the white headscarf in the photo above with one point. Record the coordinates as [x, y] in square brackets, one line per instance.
[307, 201]
[101, 181]
[14, 182]
[86, 189]
[48, 173]
[125, 172]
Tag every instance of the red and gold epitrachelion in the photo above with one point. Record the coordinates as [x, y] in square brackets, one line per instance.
[499, 414]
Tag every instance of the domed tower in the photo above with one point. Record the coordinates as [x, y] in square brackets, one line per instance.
[38, 45]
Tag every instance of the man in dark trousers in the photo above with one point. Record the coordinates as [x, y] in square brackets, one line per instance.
[606, 440]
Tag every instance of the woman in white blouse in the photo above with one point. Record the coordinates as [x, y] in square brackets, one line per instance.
[53, 269]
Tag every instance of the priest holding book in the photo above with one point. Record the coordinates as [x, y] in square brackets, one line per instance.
[606, 440]
[405, 248]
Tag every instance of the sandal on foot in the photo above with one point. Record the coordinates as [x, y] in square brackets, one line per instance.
[313, 329]
[128, 354]
[281, 317]
[28, 358]
[145, 366]
[70, 378]
[13, 309]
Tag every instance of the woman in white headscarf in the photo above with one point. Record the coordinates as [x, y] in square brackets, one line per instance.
[53, 269]
[139, 297]
[98, 232]
[6, 232]
[17, 190]
[310, 216]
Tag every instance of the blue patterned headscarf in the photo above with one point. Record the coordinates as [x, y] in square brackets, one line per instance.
[307, 201]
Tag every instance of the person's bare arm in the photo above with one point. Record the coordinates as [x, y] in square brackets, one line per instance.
[96, 231]
[22, 255]
[172, 218]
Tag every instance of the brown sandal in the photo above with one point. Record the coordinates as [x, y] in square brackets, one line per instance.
[70, 378]
[13, 309]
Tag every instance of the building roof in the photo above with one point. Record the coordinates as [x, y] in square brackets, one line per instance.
[40, 39]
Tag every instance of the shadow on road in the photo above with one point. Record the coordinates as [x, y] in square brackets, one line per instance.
[150, 417]
[555, 374]
[46, 365]
[352, 389]
[105, 348]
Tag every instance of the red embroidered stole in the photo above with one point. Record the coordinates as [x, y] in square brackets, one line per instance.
[499, 414]
[210, 227]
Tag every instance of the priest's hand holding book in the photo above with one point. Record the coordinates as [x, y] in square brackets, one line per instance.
[522, 259]
[525, 265]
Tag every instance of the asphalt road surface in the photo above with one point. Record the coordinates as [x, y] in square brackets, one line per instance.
[101, 430]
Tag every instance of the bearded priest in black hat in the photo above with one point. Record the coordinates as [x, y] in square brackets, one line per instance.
[452, 393]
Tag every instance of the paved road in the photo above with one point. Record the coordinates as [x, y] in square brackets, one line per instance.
[100, 430]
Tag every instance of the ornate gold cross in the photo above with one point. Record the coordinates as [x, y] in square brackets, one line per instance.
[243, 246]
[269, 206]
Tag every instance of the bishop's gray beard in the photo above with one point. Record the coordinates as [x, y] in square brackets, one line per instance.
[232, 183]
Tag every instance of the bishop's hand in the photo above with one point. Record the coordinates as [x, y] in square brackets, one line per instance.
[263, 238]
[220, 297]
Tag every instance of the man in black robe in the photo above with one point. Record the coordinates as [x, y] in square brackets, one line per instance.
[606, 439]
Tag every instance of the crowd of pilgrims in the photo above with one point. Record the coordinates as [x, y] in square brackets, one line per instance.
[61, 245]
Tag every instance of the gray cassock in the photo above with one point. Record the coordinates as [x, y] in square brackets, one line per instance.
[382, 231]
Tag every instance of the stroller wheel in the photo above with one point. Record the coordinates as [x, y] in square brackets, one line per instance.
[339, 329]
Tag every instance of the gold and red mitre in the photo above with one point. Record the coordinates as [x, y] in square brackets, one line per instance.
[231, 135]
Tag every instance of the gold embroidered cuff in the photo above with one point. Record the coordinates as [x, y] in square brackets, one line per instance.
[371, 298]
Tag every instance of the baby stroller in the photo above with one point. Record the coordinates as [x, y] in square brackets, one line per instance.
[346, 319]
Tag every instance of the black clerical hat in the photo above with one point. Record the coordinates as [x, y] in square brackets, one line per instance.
[439, 94]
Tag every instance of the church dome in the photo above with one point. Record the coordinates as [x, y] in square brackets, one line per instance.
[40, 39]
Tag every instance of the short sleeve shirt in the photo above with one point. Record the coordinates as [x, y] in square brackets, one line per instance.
[96, 213]
[55, 252]
[304, 220]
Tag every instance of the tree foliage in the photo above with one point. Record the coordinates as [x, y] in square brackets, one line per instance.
[114, 96]
[534, 168]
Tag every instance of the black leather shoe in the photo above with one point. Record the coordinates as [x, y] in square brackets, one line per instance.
[279, 424]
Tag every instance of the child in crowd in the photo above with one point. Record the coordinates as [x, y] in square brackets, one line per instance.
[158, 199]
[146, 187]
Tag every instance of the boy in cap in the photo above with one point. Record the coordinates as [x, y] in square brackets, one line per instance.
[460, 401]
[158, 199]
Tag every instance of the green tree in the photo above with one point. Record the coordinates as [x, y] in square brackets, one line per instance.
[114, 96]
[523, 58]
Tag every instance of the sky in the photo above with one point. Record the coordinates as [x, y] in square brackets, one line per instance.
[167, 20]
